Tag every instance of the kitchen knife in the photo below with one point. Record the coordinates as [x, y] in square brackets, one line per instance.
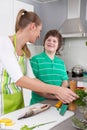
[63, 107]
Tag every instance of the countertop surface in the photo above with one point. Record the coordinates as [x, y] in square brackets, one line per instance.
[64, 124]
[67, 124]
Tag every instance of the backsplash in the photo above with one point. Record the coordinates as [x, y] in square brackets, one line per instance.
[74, 52]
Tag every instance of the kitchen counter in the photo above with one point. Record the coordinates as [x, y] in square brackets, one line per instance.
[45, 116]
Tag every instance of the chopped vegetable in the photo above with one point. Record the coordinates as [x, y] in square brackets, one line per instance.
[86, 43]
[7, 121]
[80, 101]
[79, 124]
[25, 127]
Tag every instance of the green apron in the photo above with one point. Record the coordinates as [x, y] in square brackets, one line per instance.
[12, 96]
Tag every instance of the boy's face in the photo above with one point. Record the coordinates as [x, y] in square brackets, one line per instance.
[51, 44]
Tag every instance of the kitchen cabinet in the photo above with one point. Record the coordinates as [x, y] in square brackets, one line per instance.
[18, 5]
[6, 17]
[8, 13]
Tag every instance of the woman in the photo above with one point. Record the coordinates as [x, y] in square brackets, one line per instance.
[13, 55]
[48, 67]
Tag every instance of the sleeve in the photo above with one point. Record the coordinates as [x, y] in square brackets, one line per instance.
[9, 61]
[29, 70]
[34, 64]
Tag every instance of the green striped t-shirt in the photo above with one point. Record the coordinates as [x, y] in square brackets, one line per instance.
[48, 71]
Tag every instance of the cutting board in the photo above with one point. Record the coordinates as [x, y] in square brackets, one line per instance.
[52, 114]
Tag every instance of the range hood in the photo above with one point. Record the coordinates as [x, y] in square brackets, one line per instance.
[44, 1]
[76, 23]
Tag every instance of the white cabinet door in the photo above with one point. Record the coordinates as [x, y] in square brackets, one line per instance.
[8, 13]
[6, 17]
[18, 5]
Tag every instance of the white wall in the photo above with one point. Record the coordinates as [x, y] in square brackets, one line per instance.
[75, 52]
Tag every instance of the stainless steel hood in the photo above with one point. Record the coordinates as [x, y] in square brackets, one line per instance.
[76, 23]
[44, 1]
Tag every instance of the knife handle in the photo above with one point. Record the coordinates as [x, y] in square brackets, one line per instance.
[63, 109]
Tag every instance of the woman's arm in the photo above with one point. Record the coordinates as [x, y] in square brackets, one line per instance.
[51, 96]
[47, 95]
[62, 93]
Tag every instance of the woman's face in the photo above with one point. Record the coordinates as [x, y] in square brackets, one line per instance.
[35, 34]
[51, 44]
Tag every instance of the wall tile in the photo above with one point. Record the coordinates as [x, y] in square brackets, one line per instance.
[75, 52]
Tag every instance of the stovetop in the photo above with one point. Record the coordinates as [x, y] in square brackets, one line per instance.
[77, 78]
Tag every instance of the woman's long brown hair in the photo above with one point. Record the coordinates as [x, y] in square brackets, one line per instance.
[23, 19]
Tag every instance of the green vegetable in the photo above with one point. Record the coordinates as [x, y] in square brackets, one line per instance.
[78, 123]
[25, 127]
[80, 101]
[86, 43]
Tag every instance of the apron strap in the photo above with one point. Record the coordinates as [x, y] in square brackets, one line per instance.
[15, 40]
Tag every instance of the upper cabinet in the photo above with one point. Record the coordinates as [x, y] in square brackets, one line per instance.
[8, 13]
[18, 5]
[6, 17]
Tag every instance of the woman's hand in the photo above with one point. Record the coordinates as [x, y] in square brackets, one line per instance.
[66, 95]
